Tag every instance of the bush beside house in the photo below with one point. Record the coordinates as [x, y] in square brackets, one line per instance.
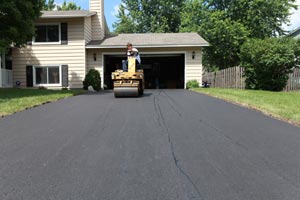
[93, 79]
[192, 84]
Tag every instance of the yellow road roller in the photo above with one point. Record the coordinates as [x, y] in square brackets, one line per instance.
[128, 84]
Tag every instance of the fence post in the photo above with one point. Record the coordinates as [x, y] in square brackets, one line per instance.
[214, 75]
[298, 79]
[237, 78]
[224, 79]
[0, 69]
[243, 78]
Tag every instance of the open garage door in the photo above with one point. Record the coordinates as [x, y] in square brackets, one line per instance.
[162, 71]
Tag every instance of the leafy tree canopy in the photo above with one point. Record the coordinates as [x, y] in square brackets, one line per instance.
[142, 16]
[227, 24]
[268, 62]
[225, 36]
[16, 21]
[68, 6]
[262, 18]
[49, 5]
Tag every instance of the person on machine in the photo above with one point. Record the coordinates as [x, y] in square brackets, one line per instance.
[131, 52]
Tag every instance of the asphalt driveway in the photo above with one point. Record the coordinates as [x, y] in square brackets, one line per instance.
[168, 145]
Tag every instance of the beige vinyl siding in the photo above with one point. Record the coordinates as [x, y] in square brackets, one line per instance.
[193, 68]
[98, 64]
[98, 25]
[87, 29]
[72, 54]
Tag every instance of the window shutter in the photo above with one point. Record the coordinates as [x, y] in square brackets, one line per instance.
[64, 33]
[65, 75]
[29, 76]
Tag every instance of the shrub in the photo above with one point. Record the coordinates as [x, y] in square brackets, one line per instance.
[192, 84]
[42, 88]
[268, 62]
[92, 79]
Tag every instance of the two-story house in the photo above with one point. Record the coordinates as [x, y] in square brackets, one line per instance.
[69, 43]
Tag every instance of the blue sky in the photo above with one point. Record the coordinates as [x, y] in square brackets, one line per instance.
[111, 7]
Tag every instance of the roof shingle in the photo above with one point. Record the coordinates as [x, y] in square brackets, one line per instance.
[150, 40]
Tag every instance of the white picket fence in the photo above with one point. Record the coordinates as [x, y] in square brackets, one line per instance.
[7, 78]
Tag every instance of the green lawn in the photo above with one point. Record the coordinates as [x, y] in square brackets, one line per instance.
[14, 100]
[281, 105]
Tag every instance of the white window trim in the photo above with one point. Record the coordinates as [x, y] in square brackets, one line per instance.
[47, 85]
[46, 43]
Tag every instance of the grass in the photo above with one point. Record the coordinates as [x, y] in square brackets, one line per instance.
[15, 100]
[281, 105]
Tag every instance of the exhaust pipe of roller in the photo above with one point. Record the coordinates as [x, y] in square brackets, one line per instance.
[126, 92]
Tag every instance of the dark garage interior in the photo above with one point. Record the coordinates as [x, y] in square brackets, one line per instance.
[162, 71]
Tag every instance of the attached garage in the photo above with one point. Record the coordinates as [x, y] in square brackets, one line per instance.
[169, 60]
[162, 71]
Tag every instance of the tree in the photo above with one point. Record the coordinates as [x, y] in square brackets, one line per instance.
[227, 24]
[224, 34]
[144, 16]
[17, 21]
[225, 37]
[262, 18]
[68, 6]
[125, 23]
[268, 62]
[297, 52]
[50, 5]
[192, 15]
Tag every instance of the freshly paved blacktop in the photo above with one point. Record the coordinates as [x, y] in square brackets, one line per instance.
[167, 145]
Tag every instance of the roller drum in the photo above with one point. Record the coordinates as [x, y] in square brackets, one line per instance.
[126, 91]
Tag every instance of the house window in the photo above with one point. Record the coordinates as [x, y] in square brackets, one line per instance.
[47, 33]
[47, 76]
